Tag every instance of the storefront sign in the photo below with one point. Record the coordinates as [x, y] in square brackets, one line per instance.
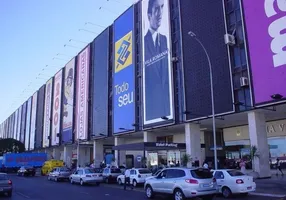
[162, 144]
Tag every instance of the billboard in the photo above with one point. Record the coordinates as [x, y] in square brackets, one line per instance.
[40, 117]
[48, 113]
[157, 66]
[23, 122]
[82, 94]
[68, 102]
[33, 120]
[265, 22]
[28, 124]
[57, 103]
[196, 68]
[19, 123]
[100, 69]
[124, 73]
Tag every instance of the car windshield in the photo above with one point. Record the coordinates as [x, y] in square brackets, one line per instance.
[64, 169]
[89, 171]
[201, 173]
[144, 171]
[235, 173]
[115, 171]
[98, 170]
[3, 177]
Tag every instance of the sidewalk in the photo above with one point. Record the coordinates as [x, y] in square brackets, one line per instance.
[273, 172]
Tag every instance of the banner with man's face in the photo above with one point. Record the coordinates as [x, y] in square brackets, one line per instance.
[157, 70]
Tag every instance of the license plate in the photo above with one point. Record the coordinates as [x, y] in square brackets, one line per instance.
[249, 188]
[206, 185]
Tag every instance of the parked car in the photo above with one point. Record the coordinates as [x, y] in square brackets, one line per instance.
[111, 174]
[26, 171]
[5, 185]
[59, 174]
[153, 175]
[230, 181]
[87, 176]
[182, 183]
[137, 176]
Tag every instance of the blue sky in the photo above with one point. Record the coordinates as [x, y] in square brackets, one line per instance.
[33, 32]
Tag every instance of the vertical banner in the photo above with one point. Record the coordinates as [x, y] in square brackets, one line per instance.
[57, 102]
[47, 113]
[82, 94]
[124, 73]
[19, 123]
[265, 28]
[68, 102]
[157, 67]
[15, 124]
[23, 123]
[40, 117]
[33, 120]
[28, 124]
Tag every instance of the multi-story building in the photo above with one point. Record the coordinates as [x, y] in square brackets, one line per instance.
[142, 89]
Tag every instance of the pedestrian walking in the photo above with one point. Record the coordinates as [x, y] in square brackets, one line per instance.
[278, 167]
[242, 166]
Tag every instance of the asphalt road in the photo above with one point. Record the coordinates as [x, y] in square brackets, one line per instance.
[39, 188]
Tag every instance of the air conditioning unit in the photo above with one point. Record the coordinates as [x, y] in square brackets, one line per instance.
[244, 81]
[175, 59]
[229, 39]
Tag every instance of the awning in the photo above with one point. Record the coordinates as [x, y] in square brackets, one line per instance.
[149, 146]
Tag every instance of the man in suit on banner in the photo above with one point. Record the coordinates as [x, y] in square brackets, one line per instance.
[157, 94]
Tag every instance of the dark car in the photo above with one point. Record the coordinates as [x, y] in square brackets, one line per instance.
[26, 171]
[5, 185]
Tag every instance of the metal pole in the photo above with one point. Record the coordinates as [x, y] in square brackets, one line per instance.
[212, 95]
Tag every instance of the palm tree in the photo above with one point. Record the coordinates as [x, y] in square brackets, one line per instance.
[253, 155]
[186, 158]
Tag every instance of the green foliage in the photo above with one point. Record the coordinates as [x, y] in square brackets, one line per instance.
[253, 152]
[186, 158]
[11, 146]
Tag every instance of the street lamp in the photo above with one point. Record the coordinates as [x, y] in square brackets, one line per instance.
[193, 35]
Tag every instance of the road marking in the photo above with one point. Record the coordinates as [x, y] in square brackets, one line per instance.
[21, 194]
[267, 195]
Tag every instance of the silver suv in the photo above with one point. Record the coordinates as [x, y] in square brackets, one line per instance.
[182, 183]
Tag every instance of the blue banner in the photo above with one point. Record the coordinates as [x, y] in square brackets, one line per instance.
[124, 74]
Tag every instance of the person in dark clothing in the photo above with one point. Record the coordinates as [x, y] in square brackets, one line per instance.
[278, 165]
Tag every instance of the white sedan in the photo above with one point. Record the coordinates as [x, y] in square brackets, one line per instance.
[137, 176]
[231, 181]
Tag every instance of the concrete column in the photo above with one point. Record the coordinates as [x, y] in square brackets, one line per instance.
[78, 155]
[258, 138]
[97, 152]
[56, 153]
[193, 142]
[120, 156]
[67, 155]
[148, 137]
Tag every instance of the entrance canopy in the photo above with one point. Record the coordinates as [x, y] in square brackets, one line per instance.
[149, 146]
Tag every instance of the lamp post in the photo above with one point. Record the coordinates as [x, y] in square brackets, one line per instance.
[193, 35]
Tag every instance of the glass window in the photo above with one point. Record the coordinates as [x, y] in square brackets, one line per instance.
[219, 175]
[64, 169]
[235, 173]
[98, 170]
[89, 171]
[238, 15]
[80, 172]
[106, 171]
[177, 173]
[144, 171]
[3, 177]
[115, 171]
[242, 55]
[201, 173]
[162, 174]
[277, 146]
[237, 61]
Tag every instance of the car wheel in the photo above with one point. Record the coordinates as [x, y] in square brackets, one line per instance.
[149, 192]
[49, 178]
[226, 192]
[107, 180]
[81, 182]
[71, 181]
[134, 183]
[120, 181]
[97, 184]
[179, 195]
[9, 194]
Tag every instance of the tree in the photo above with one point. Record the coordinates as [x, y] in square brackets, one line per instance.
[186, 159]
[11, 146]
[253, 155]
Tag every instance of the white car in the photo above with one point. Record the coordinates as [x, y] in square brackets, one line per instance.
[230, 181]
[137, 176]
[87, 176]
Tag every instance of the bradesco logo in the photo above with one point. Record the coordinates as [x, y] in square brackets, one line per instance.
[275, 30]
[125, 96]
